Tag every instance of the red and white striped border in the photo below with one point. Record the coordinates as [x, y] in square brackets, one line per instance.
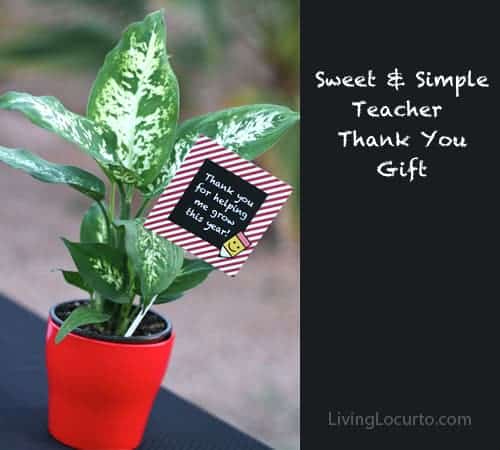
[205, 148]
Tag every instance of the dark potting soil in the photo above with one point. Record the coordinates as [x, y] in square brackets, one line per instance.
[151, 324]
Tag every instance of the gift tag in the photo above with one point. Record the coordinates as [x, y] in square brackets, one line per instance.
[218, 206]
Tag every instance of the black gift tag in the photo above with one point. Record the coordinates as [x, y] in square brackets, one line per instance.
[217, 204]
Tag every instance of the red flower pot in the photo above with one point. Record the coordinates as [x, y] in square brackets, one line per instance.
[101, 392]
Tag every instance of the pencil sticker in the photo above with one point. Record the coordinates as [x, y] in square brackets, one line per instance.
[218, 206]
[234, 246]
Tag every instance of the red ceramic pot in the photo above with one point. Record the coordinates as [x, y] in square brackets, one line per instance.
[101, 391]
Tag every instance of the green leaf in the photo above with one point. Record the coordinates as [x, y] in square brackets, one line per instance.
[247, 130]
[167, 298]
[48, 172]
[50, 114]
[155, 261]
[102, 267]
[94, 226]
[193, 273]
[136, 95]
[83, 315]
[75, 279]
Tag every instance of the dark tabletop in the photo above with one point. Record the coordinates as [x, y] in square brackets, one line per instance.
[175, 424]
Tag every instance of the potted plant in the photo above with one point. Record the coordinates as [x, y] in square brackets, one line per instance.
[106, 355]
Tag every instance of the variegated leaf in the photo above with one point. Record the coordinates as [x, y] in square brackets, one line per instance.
[50, 114]
[94, 227]
[102, 267]
[247, 130]
[136, 94]
[48, 172]
[155, 261]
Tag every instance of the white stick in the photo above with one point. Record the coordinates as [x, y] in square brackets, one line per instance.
[138, 319]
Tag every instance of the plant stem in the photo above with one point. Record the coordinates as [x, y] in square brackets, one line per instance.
[112, 201]
[123, 318]
[125, 201]
[125, 210]
[122, 199]
[143, 206]
[124, 310]
[98, 302]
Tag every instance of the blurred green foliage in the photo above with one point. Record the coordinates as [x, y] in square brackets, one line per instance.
[83, 46]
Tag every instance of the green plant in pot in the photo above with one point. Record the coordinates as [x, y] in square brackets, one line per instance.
[106, 356]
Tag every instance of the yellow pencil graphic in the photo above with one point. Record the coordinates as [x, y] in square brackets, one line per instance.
[234, 246]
